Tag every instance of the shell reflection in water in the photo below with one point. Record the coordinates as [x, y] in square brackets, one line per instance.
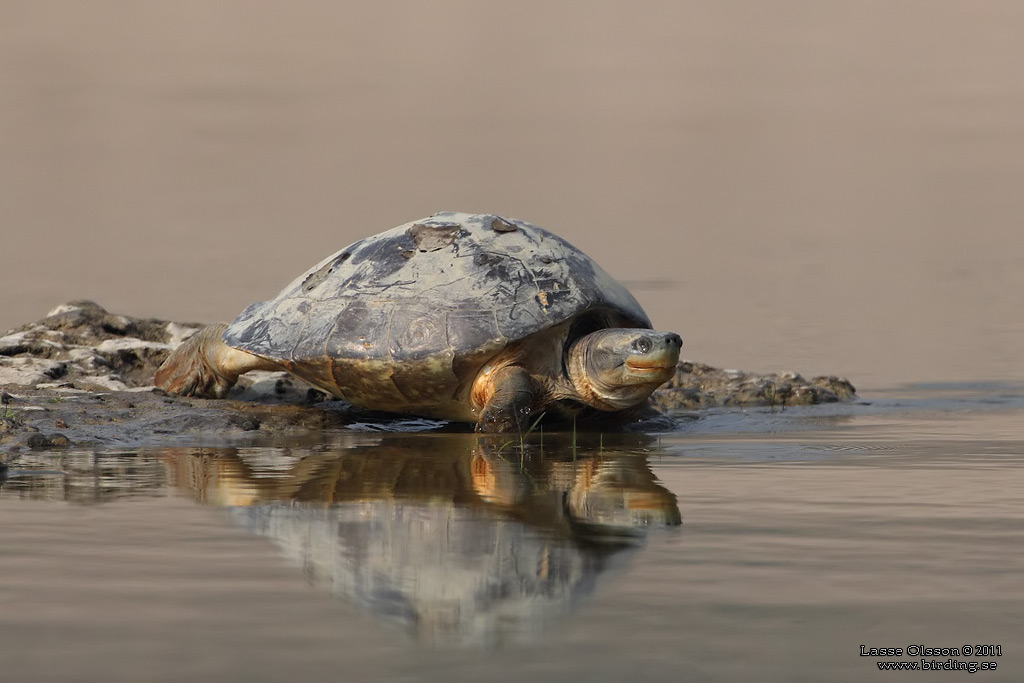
[461, 540]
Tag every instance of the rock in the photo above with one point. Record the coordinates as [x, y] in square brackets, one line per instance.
[9, 425]
[697, 386]
[59, 441]
[40, 440]
[82, 344]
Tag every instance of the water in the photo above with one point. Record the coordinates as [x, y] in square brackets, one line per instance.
[819, 187]
[754, 545]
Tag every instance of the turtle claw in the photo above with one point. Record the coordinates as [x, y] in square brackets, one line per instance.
[511, 403]
[192, 368]
[494, 424]
[504, 420]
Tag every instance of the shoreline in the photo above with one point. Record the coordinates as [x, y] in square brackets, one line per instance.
[82, 376]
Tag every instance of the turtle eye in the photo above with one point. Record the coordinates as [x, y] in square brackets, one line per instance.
[642, 345]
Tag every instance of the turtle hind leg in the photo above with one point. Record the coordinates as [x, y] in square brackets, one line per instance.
[512, 399]
[203, 365]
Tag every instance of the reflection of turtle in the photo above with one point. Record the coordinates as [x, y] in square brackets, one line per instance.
[446, 536]
[458, 316]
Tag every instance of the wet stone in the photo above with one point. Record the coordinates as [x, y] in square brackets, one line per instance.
[9, 425]
[698, 386]
[39, 440]
[246, 423]
[59, 441]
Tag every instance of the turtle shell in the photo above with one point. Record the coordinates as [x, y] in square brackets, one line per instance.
[403, 318]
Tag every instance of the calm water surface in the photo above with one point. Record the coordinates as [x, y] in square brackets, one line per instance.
[752, 545]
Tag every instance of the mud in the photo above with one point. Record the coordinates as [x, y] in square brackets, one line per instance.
[82, 377]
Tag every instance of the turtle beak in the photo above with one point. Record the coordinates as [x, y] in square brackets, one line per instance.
[654, 353]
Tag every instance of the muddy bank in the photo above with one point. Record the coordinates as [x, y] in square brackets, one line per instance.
[82, 376]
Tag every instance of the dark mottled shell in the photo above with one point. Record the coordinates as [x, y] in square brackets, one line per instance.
[423, 306]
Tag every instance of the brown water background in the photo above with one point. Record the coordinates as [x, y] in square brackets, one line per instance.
[823, 187]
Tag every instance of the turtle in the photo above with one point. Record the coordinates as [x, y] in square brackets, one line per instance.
[461, 317]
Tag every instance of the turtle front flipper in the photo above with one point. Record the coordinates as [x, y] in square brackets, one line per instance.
[510, 397]
[203, 365]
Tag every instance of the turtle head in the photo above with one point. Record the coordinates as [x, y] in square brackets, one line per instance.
[617, 368]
